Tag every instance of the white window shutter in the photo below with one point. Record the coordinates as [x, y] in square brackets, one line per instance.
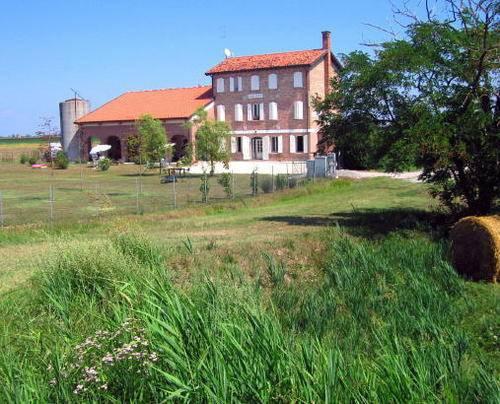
[297, 80]
[261, 111]
[280, 144]
[234, 145]
[221, 113]
[273, 111]
[254, 83]
[273, 81]
[306, 143]
[249, 112]
[266, 147]
[240, 83]
[292, 144]
[220, 85]
[231, 84]
[298, 110]
[245, 143]
[238, 112]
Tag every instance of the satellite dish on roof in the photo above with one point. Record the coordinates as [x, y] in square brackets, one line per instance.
[228, 53]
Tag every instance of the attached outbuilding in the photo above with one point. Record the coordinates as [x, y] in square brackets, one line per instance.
[114, 122]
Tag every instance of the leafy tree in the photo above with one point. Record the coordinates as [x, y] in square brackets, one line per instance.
[212, 140]
[431, 98]
[151, 144]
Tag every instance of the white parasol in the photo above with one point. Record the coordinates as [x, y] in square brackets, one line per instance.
[100, 148]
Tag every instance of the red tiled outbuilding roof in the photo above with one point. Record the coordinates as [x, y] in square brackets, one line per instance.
[171, 103]
[269, 60]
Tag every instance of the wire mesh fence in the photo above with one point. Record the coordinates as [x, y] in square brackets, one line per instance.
[77, 199]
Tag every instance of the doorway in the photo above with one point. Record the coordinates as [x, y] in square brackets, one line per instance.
[115, 153]
[257, 148]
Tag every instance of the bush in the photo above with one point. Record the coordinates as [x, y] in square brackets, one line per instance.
[266, 184]
[61, 161]
[226, 181]
[104, 164]
[281, 182]
[32, 160]
[23, 159]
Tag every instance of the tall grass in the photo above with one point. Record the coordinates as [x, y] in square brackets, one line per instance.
[382, 324]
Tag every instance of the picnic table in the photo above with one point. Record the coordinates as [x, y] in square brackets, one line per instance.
[173, 173]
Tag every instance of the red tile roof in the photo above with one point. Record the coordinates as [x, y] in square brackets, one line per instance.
[169, 103]
[267, 61]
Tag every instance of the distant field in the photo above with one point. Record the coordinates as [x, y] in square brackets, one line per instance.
[11, 149]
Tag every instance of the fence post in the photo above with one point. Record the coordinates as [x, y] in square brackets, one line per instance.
[174, 191]
[1, 211]
[51, 203]
[137, 195]
[287, 177]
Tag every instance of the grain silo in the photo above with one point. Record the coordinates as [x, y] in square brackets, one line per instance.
[69, 111]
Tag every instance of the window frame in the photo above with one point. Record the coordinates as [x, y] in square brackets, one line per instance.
[275, 142]
[275, 78]
[219, 85]
[295, 80]
[301, 142]
[255, 82]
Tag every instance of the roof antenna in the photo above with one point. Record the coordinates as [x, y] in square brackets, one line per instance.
[228, 53]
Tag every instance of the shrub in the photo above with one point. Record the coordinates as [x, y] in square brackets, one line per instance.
[23, 159]
[266, 184]
[32, 160]
[61, 160]
[204, 188]
[104, 164]
[226, 181]
[281, 182]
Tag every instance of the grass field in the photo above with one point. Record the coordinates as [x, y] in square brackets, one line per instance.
[82, 193]
[335, 292]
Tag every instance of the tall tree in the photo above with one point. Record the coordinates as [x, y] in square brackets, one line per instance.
[432, 97]
[151, 142]
[212, 140]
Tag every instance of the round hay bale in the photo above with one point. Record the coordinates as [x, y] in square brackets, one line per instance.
[475, 243]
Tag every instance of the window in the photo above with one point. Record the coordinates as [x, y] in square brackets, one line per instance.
[272, 81]
[255, 112]
[254, 83]
[238, 84]
[298, 110]
[221, 113]
[239, 146]
[274, 144]
[238, 113]
[297, 80]
[300, 144]
[273, 111]
[231, 84]
[220, 85]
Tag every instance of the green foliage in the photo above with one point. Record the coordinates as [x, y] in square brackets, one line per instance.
[204, 187]
[266, 184]
[23, 158]
[254, 182]
[212, 140]
[104, 163]
[226, 181]
[32, 160]
[384, 322]
[152, 140]
[430, 100]
[134, 148]
[187, 158]
[61, 160]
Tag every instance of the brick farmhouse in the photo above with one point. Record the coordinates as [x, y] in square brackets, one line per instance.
[266, 100]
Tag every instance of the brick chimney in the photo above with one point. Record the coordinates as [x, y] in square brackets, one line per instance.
[327, 40]
[327, 46]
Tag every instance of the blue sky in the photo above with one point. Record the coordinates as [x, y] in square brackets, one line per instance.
[106, 47]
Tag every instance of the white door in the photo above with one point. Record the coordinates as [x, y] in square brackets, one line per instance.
[257, 148]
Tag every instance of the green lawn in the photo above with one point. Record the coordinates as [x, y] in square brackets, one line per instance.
[339, 291]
